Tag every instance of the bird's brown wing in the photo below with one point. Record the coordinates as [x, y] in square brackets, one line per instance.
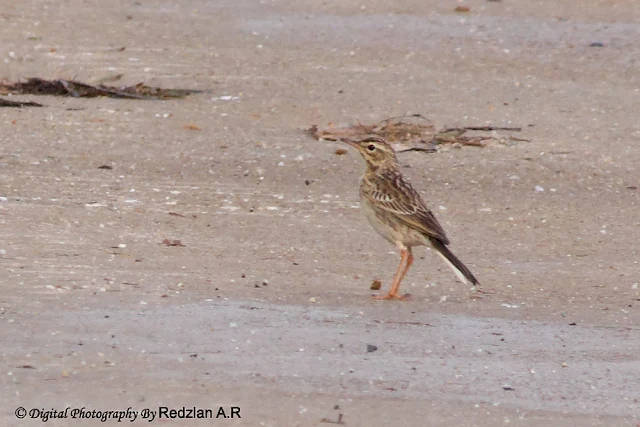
[393, 194]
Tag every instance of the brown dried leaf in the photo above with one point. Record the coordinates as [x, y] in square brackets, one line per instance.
[18, 104]
[462, 9]
[191, 126]
[37, 86]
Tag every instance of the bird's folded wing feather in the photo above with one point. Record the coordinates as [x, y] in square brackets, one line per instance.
[396, 196]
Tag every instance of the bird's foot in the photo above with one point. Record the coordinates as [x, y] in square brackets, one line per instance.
[390, 296]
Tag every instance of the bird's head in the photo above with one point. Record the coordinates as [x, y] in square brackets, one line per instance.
[376, 151]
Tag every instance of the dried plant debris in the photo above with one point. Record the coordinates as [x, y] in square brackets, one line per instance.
[168, 242]
[412, 133]
[397, 130]
[18, 104]
[37, 86]
[340, 420]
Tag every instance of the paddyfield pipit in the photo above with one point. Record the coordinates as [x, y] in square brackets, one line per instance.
[398, 213]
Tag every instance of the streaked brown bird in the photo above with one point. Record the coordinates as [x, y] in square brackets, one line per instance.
[398, 213]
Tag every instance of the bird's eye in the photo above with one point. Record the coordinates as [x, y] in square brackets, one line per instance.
[371, 147]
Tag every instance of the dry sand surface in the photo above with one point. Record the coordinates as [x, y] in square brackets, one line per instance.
[267, 305]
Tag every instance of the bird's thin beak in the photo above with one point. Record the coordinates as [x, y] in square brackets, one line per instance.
[351, 142]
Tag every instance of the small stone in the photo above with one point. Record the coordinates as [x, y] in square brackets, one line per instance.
[596, 44]
[122, 245]
[312, 299]
[565, 365]
[375, 285]
[371, 348]
[538, 189]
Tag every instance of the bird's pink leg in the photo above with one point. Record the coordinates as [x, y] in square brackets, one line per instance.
[405, 262]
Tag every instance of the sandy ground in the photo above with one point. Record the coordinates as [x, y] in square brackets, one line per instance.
[267, 305]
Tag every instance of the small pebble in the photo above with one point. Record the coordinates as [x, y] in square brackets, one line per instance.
[539, 189]
[371, 348]
[504, 304]
[565, 364]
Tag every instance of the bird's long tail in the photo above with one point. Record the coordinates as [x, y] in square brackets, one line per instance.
[461, 270]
